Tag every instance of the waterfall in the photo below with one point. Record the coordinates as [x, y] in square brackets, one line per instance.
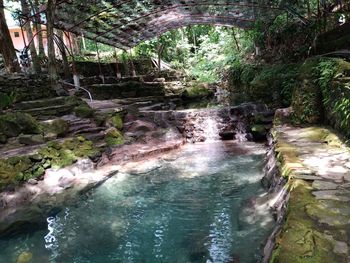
[241, 130]
[202, 125]
[210, 129]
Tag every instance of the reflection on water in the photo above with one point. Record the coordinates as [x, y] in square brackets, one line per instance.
[193, 206]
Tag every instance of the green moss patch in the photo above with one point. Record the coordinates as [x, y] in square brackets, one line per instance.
[16, 170]
[300, 241]
[116, 121]
[197, 91]
[83, 111]
[114, 137]
[12, 124]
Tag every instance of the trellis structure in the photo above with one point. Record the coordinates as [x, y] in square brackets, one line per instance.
[125, 23]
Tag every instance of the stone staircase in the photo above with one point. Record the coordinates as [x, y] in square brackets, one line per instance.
[84, 127]
[47, 108]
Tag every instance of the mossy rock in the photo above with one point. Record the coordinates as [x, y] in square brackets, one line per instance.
[114, 137]
[14, 170]
[61, 155]
[116, 121]
[24, 257]
[12, 124]
[259, 132]
[29, 139]
[83, 111]
[59, 127]
[197, 92]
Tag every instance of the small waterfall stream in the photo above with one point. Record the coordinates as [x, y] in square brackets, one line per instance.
[197, 205]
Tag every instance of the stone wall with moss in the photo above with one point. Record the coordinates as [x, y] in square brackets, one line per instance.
[324, 94]
[318, 90]
[23, 87]
[269, 84]
[89, 69]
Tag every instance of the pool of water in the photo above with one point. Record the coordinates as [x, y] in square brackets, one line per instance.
[197, 204]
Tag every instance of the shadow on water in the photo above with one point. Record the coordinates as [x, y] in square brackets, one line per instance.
[198, 206]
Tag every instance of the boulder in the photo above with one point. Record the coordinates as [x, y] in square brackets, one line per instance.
[197, 92]
[12, 124]
[116, 121]
[113, 137]
[56, 128]
[259, 132]
[28, 139]
[83, 111]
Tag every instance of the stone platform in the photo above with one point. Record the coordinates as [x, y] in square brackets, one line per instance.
[316, 164]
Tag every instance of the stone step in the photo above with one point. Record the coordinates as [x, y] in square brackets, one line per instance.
[45, 112]
[89, 130]
[44, 103]
[94, 136]
[80, 127]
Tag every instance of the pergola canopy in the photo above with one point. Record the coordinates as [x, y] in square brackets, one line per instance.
[125, 23]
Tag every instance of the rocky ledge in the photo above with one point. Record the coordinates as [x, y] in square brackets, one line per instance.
[29, 204]
[315, 167]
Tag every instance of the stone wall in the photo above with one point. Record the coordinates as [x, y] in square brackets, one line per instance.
[89, 69]
[26, 87]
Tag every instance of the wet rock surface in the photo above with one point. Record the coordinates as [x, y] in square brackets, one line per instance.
[317, 228]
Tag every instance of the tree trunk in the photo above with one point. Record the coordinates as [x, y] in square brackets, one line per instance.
[51, 6]
[28, 29]
[38, 28]
[6, 46]
[75, 44]
[62, 48]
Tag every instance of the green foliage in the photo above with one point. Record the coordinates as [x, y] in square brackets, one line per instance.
[324, 72]
[336, 97]
[6, 100]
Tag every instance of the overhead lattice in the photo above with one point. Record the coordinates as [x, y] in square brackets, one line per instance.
[125, 23]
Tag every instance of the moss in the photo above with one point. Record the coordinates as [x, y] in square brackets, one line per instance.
[83, 111]
[319, 134]
[14, 170]
[61, 155]
[116, 121]
[12, 124]
[197, 91]
[114, 137]
[300, 241]
[58, 127]
[24, 257]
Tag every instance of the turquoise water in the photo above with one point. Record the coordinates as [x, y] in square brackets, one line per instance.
[193, 205]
